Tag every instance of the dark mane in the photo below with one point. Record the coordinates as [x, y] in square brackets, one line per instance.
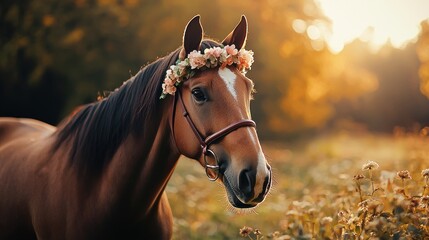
[97, 130]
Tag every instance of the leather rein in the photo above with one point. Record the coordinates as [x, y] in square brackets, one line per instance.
[205, 142]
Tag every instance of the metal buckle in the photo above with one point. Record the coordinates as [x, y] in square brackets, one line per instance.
[211, 168]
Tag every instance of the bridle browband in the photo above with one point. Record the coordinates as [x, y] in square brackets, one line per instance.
[207, 141]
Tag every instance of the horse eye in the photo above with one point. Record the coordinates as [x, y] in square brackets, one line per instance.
[199, 95]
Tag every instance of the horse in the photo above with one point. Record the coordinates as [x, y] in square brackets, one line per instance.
[101, 174]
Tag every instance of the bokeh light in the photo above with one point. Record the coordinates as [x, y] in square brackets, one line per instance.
[375, 21]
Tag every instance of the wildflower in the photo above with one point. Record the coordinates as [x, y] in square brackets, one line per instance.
[358, 177]
[275, 234]
[425, 173]
[302, 204]
[353, 220]
[257, 232]
[370, 165]
[404, 174]
[342, 215]
[292, 213]
[245, 231]
[326, 220]
[312, 211]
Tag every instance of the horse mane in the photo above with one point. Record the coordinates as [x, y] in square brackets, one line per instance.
[96, 130]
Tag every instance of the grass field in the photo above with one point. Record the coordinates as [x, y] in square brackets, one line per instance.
[316, 192]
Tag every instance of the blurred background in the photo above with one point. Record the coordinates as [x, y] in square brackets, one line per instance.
[319, 65]
[338, 82]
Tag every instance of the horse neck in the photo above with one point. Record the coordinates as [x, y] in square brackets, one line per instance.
[142, 166]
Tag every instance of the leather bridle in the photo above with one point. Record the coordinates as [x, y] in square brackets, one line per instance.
[205, 142]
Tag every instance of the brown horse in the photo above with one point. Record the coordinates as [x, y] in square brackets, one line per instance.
[102, 173]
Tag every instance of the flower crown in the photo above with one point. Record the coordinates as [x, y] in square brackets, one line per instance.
[212, 57]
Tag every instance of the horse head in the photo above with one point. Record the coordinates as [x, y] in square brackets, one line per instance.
[211, 114]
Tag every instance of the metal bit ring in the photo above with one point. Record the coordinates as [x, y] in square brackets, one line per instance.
[210, 167]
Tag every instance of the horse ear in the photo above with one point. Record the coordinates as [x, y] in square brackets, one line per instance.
[239, 35]
[192, 37]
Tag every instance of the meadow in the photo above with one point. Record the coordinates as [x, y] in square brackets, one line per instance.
[341, 185]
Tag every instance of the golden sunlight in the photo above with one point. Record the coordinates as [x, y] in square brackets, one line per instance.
[373, 21]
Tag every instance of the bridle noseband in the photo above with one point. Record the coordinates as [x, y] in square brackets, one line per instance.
[205, 142]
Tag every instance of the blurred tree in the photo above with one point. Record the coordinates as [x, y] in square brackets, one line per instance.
[423, 54]
[299, 80]
[397, 100]
[55, 55]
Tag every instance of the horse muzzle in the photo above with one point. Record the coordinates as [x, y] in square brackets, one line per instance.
[244, 190]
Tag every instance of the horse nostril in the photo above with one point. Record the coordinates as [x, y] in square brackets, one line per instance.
[267, 181]
[246, 180]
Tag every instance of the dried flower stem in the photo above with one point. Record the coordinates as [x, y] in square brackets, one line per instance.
[403, 186]
[312, 228]
[359, 190]
[426, 185]
[362, 228]
[372, 182]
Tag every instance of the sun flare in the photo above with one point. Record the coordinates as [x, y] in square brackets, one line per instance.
[373, 21]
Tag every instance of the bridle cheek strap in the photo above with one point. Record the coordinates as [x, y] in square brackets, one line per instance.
[205, 142]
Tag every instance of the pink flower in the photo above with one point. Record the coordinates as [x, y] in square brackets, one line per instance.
[169, 81]
[231, 56]
[168, 86]
[213, 52]
[245, 59]
[231, 50]
[212, 56]
[196, 59]
[223, 56]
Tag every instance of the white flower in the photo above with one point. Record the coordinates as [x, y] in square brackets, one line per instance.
[370, 165]
[425, 173]
[168, 86]
[326, 220]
